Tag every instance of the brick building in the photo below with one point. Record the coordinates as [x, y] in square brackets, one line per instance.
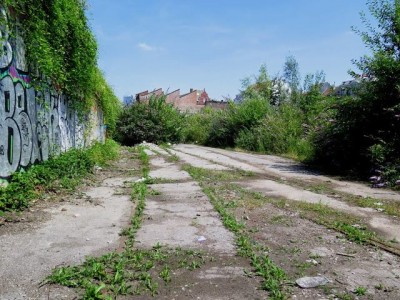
[190, 102]
[145, 96]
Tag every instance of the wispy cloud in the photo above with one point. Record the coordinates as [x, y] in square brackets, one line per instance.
[103, 35]
[146, 47]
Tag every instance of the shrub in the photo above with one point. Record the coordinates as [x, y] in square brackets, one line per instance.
[227, 124]
[197, 126]
[280, 132]
[155, 122]
[365, 132]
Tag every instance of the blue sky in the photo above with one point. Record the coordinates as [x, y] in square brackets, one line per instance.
[214, 44]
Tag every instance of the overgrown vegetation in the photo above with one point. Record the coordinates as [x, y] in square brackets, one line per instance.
[365, 131]
[61, 51]
[354, 135]
[155, 122]
[130, 271]
[63, 172]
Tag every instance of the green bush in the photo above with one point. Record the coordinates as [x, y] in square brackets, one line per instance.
[61, 172]
[154, 122]
[222, 130]
[280, 132]
[364, 135]
[227, 124]
[197, 126]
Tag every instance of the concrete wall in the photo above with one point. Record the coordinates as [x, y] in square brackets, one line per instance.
[36, 124]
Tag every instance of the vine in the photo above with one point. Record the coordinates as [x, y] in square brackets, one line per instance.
[61, 49]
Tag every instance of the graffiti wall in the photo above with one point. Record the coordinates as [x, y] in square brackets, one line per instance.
[35, 124]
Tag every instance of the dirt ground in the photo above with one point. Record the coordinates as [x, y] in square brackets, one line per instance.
[63, 229]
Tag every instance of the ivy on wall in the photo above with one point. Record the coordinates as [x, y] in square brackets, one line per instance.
[61, 47]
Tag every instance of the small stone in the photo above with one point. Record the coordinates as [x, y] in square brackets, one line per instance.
[77, 215]
[63, 209]
[380, 209]
[87, 239]
[312, 261]
[378, 203]
[320, 252]
[311, 282]
[201, 239]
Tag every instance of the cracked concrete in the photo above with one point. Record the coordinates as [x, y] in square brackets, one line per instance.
[181, 215]
[75, 230]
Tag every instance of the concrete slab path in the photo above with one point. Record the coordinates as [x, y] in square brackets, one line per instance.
[388, 227]
[74, 230]
[181, 215]
[282, 167]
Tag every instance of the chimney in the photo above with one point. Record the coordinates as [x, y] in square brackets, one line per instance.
[191, 90]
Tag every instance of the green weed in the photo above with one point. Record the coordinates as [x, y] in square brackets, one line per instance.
[173, 158]
[132, 271]
[63, 172]
[360, 291]
[273, 276]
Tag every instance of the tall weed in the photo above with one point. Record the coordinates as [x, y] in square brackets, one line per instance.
[61, 172]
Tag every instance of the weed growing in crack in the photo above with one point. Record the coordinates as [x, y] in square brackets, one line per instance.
[132, 271]
[144, 159]
[360, 291]
[172, 158]
[165, 274]
[274, 277]
[344, 296]
[358, 235]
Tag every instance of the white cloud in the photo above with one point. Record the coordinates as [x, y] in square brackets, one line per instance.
[146, 47]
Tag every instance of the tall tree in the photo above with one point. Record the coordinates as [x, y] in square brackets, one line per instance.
[291, 74]
[365, 133]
